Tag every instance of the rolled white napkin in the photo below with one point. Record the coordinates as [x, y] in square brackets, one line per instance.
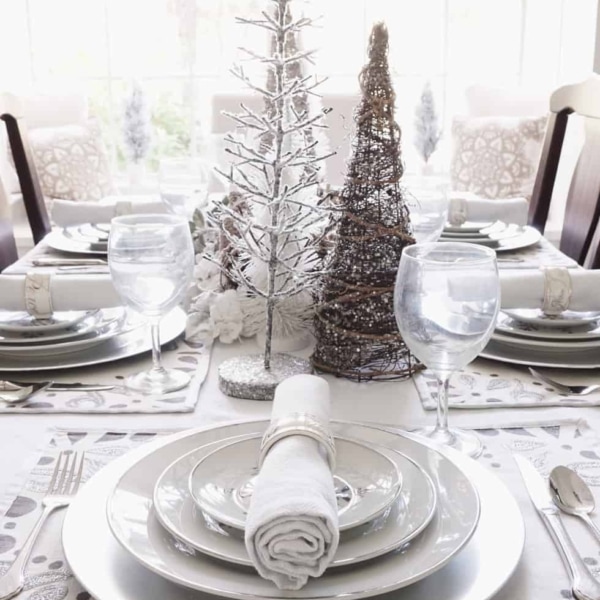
[67, 292]
[292, 525]
[468, 207]
[525, 289]
[66, 213]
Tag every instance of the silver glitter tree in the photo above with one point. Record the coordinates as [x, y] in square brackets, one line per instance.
[275, 164]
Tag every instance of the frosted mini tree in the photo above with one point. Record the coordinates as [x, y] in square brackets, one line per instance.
[136, 124]
[274, 242]
[427, 129]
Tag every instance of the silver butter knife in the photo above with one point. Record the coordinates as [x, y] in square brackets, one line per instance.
[583, 584]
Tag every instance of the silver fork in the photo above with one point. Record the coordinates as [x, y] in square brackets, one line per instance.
[573, 390]
[62, 488]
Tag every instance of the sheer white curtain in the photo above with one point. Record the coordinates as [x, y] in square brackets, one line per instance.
[181, 51]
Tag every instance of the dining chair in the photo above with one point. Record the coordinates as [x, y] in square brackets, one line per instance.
[33, 198]
[580, 238]
[8, 245]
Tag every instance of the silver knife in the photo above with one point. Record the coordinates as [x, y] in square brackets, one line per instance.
[584, 586]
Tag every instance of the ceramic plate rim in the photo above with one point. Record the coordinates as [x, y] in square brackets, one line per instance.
[58, 241]
[133, 342]
[556, 323]
[361, 558]
[277, 593]
[227, 519]
[557, 345]
[19, 329]
[549, 333]
[103, 588]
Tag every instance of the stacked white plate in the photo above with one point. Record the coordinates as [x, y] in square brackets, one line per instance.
[177, 508]
[500, 236]
[76, 338]
[89, 238]
[570, 340]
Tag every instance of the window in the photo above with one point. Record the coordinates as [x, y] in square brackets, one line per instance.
[181, 51]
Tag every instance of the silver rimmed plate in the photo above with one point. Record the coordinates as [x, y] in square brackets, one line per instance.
[68, 240]
[568, 318]
[366, 482]
[96, 322]
[549, 345]
[578, 358]
[123, 345]
[509, 326]
[109, 571]
[23, 322]
[452, 525]
[408, 515]
[521, 237]
[122, 323]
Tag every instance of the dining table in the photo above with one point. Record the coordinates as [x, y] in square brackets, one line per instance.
[559, 433]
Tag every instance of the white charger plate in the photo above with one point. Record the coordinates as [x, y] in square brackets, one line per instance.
[120, 346]
[408, 515]
[568, 318]
[581, 358]
[587, 331]
[221, 484]
[116, 326]
[23, 322]
[108, 572]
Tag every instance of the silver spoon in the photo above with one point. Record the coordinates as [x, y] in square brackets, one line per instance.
[572, 495]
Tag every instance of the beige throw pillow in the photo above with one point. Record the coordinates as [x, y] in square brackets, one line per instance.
[496, 157]
[72, 162]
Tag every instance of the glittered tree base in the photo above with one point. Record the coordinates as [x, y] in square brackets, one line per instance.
[246, 376]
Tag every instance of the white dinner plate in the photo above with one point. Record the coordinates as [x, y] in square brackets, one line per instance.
[123, 323]
[452, 525]
[408, 515]
[568, 318]
[60, 240]
[553, 345]
[221, 484]
[120, 346]
[509, 327]
[469, 227]
[109, 572]
[583, 358]
[528, 237]
[21, 321]
[94, 325]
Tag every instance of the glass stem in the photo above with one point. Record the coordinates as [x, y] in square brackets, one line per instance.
[156, 352]
[441, 426]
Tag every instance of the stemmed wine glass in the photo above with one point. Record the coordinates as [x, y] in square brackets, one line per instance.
[446, 300]
[427, 202]
[183, 184]
[151, 260]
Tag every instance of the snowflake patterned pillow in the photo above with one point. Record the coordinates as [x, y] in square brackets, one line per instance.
[72, 162]
[496, 157]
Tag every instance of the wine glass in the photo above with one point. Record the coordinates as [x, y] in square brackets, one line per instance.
[427, 202]
[183, 184]
[446, 300]
[151, 260]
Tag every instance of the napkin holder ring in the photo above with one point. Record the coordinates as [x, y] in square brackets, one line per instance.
[298, 424]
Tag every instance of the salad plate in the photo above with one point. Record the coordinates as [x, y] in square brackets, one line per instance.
[567, 318]
[366, 481]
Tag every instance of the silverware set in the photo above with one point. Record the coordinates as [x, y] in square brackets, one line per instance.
[563, 388]
[565, 492]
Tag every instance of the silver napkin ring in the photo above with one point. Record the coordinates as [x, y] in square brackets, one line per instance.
[298, 424]
[38, 300]
[123, 207]
[557, 290]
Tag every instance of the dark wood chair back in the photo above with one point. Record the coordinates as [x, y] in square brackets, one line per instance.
[579, 239]
[33, 199]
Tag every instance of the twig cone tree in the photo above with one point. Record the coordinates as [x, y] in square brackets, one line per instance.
[357, 335]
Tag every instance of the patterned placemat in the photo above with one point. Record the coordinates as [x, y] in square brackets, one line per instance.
[486, 384]
[571, 443]
[542, 254]
[193, 358]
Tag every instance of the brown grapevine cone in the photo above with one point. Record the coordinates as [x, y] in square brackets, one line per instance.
[356, 331]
